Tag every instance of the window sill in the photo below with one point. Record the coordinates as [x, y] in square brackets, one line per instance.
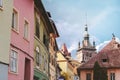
[14, 30]
[25, 39]
[37, 67]
[15, 73]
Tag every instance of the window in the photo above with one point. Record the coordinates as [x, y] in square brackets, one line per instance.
[1, 3]
[104, 60]
[37, 56]
[37, 33]
[37, 25]
[112, 76]
[13, 61]
[90, 54]
[88, 76]
[26, 30]
[43, 62]
[45, 40]
[46, 65]
[15, 20]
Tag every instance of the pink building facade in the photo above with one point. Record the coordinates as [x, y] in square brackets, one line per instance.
[21, 45]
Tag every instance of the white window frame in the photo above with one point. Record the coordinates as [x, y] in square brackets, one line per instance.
[13, 61]
[15, 20]
[37, 25]
[112, 76]
[26, 29]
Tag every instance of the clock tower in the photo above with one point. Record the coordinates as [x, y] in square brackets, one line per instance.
[86, 50]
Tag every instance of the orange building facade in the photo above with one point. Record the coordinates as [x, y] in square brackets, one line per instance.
[107, 58]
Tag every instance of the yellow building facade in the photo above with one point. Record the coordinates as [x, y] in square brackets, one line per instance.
[44, 44]
[65, 65]
[41, 35]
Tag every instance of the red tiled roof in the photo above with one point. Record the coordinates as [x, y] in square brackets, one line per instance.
[108, 57]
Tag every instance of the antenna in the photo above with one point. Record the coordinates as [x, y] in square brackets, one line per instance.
[86, 19]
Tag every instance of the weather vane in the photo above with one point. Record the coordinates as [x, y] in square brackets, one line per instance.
[113, 34]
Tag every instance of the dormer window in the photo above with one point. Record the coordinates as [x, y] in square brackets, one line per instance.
[104, 57]
[104, 60]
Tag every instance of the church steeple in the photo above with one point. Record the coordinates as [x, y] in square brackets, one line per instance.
[86, 28]
[86, 35]
[87, 50]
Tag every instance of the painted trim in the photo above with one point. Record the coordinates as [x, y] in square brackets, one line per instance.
[3, 63]
[26, 20]
[22, 51]
[16, 73]
[17, 31]
[62, 61]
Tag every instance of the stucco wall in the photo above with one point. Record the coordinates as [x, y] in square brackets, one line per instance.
[5, 28]
[83, 74]
[62, 61]
[25, 12]
[24, 47]
[21, 67]
[117, 73]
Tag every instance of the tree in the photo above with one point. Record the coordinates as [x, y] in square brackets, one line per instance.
[99, 73]
[104, 74]
[96, 71]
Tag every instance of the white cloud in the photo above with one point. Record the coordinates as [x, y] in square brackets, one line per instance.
[72, 47]
[94, 38]
[117, 39]
[101, 45]
[101, 16]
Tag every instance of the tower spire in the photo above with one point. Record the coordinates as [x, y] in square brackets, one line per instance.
[86, 35]
[78, 45]
[113, 36]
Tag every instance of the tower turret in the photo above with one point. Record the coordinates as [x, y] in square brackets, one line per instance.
[113, 36]
[93, 43]
[86, 35]
[87, 50]
[78, 45]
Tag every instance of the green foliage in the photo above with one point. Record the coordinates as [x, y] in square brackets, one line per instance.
[96, 71]
[99, 73]
[104, 74]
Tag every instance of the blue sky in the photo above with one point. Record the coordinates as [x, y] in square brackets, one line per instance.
[103, 19]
